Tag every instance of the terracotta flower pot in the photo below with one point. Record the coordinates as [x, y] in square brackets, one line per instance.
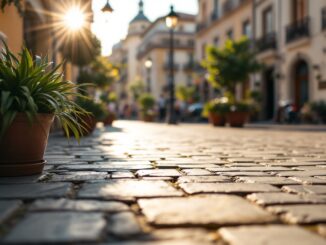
[148, 118]
[23, 145]
[216, 119]
[237, 119]
[89, 124]
[109, 120]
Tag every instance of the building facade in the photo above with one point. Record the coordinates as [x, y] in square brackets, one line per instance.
[218, 21]
[155, 46]
[40, 28]
[291, 42]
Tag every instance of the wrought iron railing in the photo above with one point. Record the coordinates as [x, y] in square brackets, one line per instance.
[298, 30]
[267, 42]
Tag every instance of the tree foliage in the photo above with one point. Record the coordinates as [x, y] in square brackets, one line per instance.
[17, 3]
[137, 88]
[81, 48]
[187, 93]
[231, 64]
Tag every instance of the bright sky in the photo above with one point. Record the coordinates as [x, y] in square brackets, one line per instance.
[111, 29]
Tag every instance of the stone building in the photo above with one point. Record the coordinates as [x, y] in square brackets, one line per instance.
[291, 40]
[39, 28]
[155, 47]
[218, 21]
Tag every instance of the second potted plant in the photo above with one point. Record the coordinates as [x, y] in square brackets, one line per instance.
[216, 111]
[146, 104]
[239, 114]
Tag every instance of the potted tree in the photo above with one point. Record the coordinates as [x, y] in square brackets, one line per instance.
[98, 114]
[32, 94]
[216, 111]
[238, 114]
[229, 66]
[146, 104]
[109, 100]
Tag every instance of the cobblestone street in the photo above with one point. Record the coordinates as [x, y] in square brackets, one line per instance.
[139, 183]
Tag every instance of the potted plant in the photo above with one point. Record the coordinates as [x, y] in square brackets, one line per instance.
[146, 104]
[239, 114]
[32, 94]
[319, 109]
[216, 111]
[97, 111]
[109, 101]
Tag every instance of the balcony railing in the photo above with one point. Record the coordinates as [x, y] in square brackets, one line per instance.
[201, 26]
[189, 66]
[166, 66]
[323, 19]
[267, 42]
[298, 30]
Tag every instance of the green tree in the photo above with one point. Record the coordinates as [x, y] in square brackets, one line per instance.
[17, 3]
[137, 88]
[81, 48]
[231, 64]
[103, 72]
[187, 93]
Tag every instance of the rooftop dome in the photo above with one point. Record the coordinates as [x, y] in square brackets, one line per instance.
[140, 16]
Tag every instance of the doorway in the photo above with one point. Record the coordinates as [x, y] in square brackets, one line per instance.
[269, 92]
[301, 83]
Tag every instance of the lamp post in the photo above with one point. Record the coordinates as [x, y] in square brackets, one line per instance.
[148, 65]
[171, 20]
[107, 8]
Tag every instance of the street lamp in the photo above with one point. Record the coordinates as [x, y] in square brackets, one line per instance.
[107, 8]
[171, 20]
[148, 65]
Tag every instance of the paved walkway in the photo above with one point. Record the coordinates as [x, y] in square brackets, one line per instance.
[147, 184]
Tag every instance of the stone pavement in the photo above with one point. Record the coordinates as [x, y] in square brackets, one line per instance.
[148, 184]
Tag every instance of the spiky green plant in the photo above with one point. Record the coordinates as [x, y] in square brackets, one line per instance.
[33, 86]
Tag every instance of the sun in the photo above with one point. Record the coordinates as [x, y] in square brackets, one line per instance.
[74, 19]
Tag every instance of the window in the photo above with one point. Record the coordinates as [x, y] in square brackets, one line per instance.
[268, 21]
[190, 58]
[216, 41]
[203, 50]
[299, 8]
[203, 12]
[216, 9]
[246, 29]
[229, 34]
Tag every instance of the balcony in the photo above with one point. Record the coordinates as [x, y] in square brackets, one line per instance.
[298, 30]
[323, 19]
[166, 66]
[190, 66]
[267, 42]
[201, 26]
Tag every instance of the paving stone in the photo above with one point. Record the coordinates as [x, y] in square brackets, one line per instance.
[194, 234]
[8, 208]
[309, 180]
[203, 179]
[196, 172]
[269, 235]
[249, 169]
[158, 173]
[212, 210]
[193, 166]
[301, 214]
[58, 227]
[127, 190]
[122, 175]
[20, 180]
[33, 191]
[303, 173]
[239, 174]
[124, 225]
[322, 230]
[240, 188]
[77, 205]
[103, 167]
[273, 180]
[284, 198]
[313, 189]
[79, 176]
[158, 178]
[169, 242]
